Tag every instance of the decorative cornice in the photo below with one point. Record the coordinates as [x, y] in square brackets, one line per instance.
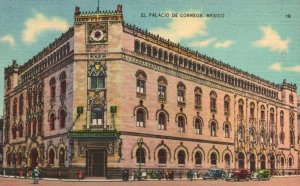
[128, 56]
[99, 134]
[126, 133]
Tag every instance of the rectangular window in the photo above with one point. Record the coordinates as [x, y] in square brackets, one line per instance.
[198, 100]
[161, 91]
[180, 96]
[140, 86]
[97, 82]
[226, 107]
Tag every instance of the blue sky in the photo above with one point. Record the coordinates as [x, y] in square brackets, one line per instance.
[259, 36]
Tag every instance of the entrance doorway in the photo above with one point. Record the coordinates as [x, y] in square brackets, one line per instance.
[241, 159]
[263, 162]
[34, 157]
[252, 163]
[96, 163]
[272, 163]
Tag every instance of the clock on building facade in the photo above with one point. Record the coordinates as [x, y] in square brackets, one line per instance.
[97, 33]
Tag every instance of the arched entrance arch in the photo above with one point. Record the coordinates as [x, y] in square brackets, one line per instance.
[252, 163]
[33, 157]
[241, 160]
[272, 162]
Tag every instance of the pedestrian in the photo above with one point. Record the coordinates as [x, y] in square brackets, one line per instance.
[191, 174]
[36, 175]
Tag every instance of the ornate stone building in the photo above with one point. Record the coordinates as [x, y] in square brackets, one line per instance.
[84, 101]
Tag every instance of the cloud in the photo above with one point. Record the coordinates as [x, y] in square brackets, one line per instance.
[279, 67]
[276, 67]
[272, 40]
[224, 44]
[40, 23]
[204, 43]
[183, 28]
[9, 39]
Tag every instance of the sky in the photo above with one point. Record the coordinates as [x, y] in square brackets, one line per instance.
[261, 37]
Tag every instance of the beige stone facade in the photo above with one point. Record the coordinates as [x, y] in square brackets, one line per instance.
[123, 84]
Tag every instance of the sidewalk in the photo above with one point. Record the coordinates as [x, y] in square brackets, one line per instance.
[120, 180]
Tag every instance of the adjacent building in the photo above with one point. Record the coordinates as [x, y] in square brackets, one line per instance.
[84, 102]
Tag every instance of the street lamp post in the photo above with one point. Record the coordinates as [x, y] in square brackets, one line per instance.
[140, 143]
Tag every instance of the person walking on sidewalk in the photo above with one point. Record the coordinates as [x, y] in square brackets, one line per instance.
[35, 175]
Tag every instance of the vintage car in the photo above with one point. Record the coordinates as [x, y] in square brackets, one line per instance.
[214, 174]
[261, 175]
[239, 174]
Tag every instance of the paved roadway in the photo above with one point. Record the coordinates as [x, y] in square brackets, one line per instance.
[283, 181]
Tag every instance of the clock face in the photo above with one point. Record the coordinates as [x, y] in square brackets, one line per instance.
[97, 35]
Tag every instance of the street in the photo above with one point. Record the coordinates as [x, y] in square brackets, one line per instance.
[282, 181]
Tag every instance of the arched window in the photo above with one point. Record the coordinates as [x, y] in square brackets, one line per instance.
[143, 48]
[140, 155]
[226, 105]
[198, 126]
[20, 158]
[181, 124]
[140, 118]
[162, 156]
[15, 107]
[175, 60]
[240, 133]
[149, 50]
[8, 158]
[162, 88]
[180, 93]
[21, 104]
[40, 120]
[34, 127]
[63, 84]
[198, 158]
[262, 136]
[165, 56]
[213, 101]
[281, 137]
[290, 161]
[154, 50]
[97, 74]
[51, 157]
[226, 131]
[241, 160]
[252, 109]
[160, 54]
[137, 46]
[213, 129]
[213, 159]
[291, 98]
[14, 131]
[282, 162]
[20, 129]
[96, 116]
[171, 58]
[272, 118]
[252, 135]
[62, 118]
[61, 156]
[162, 121]
[141, 82]
[181, 157]
[52, 121]
[8, 84]
[227, 160]
[52, 88]
[29, 128]
[241, 107]
[262, 112]
[29, 99]
[198, 97]
[14, 159]
[281, 118]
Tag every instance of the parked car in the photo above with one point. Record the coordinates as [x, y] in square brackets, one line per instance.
[239, 174]
[261, 175]
[214, 174]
